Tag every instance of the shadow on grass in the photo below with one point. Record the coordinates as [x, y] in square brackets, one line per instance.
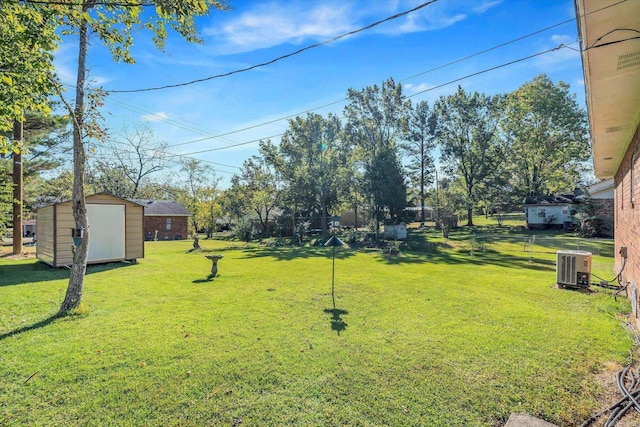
[209, 279]
[337, 324]
[290, 254]
[32, 327]
[24, 273]
[463, 258]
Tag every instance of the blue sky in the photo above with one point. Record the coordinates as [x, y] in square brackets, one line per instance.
[254, 32]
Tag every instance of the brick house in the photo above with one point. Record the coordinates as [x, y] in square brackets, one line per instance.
[611, 63]
[166, 217]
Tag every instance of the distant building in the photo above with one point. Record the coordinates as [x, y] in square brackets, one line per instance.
[168, 218]
[543, 212]
[28, 227]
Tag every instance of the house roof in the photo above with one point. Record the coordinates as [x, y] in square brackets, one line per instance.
[611, 64]
[162, 207]
[565, 199]
[602, 189]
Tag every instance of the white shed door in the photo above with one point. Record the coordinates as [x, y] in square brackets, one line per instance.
[106, 232]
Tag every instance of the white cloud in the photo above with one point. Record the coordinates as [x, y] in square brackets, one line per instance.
[484, 6]
[98, 81]
[561, 38]
[436, 16]
[274, 24]
[155, 117]
[556, 58]
[413, 89]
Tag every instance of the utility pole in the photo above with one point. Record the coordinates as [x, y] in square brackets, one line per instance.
[17, 190]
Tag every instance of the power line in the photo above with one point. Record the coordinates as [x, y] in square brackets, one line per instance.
[401, 80]
[232, 146]
[404, 79]
[172, 160]
[182, 124]
[258, 125]
[489, 49]
[315, 45]
[486, 70]
[83, 3]
[560, 46]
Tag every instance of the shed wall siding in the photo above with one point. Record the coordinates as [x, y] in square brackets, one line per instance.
[64, 242]
[57, 249]
[45, 236]
[135, 231]
[627, 216]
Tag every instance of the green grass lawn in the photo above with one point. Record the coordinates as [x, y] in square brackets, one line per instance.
[426, 338]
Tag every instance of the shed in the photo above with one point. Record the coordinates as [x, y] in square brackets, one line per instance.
[549, 211]
[396, 232]
[164, 219]
[115, 231]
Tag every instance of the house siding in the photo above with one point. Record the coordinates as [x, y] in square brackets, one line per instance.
[554, 215]
[179, 227]
[627, 218]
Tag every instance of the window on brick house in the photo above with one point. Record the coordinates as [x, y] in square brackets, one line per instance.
[168, 224]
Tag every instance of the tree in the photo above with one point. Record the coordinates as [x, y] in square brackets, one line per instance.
[385, 183]
[257, 188]
[27, 38]
[419, 144]
[376, 121]
[113, 24]
[199, 195]
[6, 199]
[548, 134]
[311, 157]
[121, 167]
[468, 134]
[45, 146]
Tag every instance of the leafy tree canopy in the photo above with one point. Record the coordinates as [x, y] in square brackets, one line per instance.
[27, 40]
[548, 134]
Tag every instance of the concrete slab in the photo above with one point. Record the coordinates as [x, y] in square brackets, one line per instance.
[525, 420]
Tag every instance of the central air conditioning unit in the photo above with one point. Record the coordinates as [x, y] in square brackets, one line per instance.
[573, 269]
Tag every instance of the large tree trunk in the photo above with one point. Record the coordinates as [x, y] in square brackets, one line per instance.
[470, 217]
[17, 191]
[323, 217]
[377, 211]
[78, 269]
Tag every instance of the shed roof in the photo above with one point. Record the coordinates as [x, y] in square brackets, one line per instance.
[565, 199]
[162, 207]
[56, 201]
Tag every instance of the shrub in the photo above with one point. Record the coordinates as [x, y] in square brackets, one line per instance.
[243, 229]
[352, 236]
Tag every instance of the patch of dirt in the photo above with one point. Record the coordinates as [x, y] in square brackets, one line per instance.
[611, 395]
[11, 256]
